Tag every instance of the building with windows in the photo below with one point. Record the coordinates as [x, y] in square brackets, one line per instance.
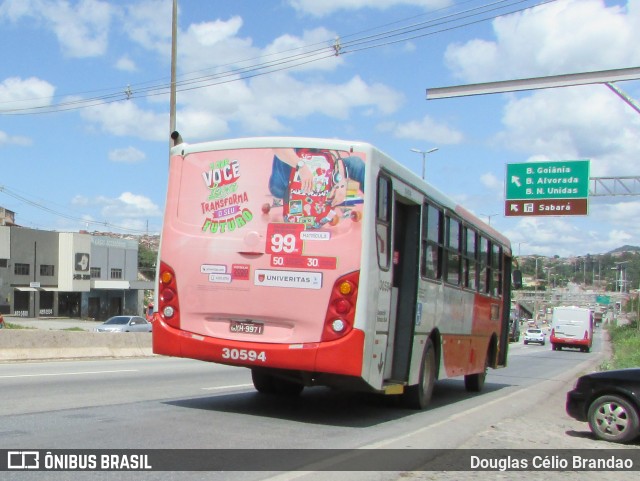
[68, 274]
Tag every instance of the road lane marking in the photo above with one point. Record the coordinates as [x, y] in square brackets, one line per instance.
[226, 387]
[80, 373]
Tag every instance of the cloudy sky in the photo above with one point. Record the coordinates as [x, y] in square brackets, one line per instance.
[84, 104]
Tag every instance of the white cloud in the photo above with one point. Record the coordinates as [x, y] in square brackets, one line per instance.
[81, 28]
[126, 118]
[548, 236]
[326, 7]
[16, 93]
[620, 212]
[562, 37]
[317, 44]
[587, 122]
[490, 181]
[127, 155]
[6, 139]
[216, 32]
[127, 211]
[427, 129]
[148, 23]
[262, 105]
[129, 205]
[257, 104]
[125, 63]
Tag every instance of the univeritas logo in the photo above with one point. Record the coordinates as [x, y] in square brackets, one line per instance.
[289, 279]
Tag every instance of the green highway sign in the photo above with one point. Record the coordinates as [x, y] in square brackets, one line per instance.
[567, 179]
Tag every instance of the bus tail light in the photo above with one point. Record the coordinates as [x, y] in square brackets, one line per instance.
[342, 307]
[168, 296]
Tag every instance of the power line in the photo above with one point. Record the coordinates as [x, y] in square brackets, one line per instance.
[305, 55]
[45, 208]
[297, 57]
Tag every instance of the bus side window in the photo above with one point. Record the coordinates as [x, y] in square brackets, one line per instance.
[453, 251]
[432, 241]
[496, 265]
[470, 268]
[383, 221]
[483, 285]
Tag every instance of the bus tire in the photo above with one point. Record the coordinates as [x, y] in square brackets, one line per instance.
[475, 382]
[263, 382]
[419, 395]
[284, 387]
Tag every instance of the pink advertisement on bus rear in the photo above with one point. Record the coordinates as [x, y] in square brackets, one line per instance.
[302, 208]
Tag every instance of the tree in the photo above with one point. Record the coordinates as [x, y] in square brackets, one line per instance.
[147, 259]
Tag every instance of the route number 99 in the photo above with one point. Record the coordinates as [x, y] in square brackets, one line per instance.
[283, 243]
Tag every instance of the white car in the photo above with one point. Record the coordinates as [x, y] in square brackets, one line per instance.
[535, 335]
[125, 324]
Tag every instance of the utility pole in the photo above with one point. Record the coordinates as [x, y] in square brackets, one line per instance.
[174, 55]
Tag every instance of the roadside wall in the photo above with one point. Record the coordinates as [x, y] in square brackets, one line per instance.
[33, 345]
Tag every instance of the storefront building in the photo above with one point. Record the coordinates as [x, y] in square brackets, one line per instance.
[67, 274]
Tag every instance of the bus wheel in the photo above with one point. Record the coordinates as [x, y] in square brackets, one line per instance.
[475, 382]
[263, 382]
[284, 387]
[419, 395]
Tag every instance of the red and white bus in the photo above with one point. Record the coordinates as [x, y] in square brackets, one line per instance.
[325, 262]
[572, 326]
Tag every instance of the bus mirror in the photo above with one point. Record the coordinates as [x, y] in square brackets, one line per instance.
[516, 279]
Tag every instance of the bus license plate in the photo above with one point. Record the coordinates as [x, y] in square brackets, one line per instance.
[248, 327]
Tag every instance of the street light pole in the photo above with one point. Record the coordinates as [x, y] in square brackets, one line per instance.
[489, 216]
[424, 157]
[519, 244]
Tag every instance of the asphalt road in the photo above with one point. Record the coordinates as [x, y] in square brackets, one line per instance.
[176, 403]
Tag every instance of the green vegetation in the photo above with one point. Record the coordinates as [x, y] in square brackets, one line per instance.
[625, 341]
[9, 325]
[147, 257]
[599, 271]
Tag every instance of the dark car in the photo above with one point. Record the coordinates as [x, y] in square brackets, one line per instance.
[610, 402]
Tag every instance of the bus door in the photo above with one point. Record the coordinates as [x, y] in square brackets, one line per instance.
[405, 235]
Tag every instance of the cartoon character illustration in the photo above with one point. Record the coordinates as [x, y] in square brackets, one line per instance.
[312, 184]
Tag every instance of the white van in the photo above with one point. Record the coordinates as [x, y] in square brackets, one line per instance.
[571, 327]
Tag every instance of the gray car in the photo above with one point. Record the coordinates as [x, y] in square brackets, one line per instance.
[125, 324]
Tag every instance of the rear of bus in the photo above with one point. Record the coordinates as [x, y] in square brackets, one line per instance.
[260, 258]
[571, 327]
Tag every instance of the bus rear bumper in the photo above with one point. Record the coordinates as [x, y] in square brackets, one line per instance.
[343, 356]
[570, 341]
